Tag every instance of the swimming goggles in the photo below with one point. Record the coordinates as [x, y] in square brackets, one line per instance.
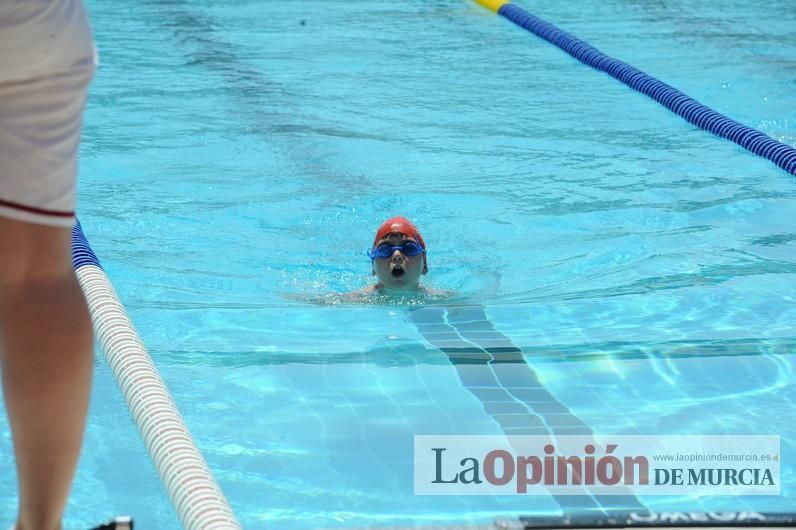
[385, 250]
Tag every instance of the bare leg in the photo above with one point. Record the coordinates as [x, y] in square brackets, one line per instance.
[46, 358]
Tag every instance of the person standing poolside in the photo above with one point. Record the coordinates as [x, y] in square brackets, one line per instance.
[47, 60]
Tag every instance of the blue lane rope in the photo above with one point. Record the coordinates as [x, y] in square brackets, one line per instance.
[681, 104]
[81, 250]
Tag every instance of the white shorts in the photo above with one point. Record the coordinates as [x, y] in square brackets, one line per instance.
[47, 60]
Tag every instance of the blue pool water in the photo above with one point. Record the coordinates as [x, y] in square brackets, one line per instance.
[238, 158]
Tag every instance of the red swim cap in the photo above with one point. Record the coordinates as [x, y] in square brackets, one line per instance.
[399, 224]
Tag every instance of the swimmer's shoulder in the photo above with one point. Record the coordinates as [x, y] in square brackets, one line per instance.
[370, 289]
[360, 294]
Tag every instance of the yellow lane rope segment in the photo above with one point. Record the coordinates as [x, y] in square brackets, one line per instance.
[492, 5]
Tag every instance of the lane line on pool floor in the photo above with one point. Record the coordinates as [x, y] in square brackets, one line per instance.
[494, 370]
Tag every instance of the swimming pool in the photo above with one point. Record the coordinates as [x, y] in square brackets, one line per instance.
[236, 162]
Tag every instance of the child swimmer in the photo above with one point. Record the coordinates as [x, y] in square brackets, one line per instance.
[399, 259]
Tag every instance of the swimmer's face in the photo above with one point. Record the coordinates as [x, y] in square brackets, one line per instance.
[399, 272]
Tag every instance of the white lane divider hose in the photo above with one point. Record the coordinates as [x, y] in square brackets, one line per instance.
[196, 497]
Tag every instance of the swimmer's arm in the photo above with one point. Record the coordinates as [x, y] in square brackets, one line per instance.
[439, 292]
